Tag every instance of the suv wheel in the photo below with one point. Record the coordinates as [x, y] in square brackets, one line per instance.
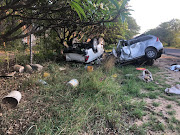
[151, 53]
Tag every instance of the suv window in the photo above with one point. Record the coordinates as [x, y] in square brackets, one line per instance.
[144, 38]
[139, 39]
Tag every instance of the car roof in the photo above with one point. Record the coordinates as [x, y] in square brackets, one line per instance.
[140, 38]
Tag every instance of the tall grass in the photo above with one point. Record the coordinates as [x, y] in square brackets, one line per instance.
[101, 103]
[97, 105]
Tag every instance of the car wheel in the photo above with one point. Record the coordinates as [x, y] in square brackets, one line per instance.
[150, 62]
[95, 43]
[101, 41]
[75, 40]
[151, 53]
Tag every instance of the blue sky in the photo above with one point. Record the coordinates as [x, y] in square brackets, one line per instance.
[150, 13]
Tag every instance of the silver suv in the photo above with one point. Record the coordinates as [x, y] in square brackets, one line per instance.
[144, 48]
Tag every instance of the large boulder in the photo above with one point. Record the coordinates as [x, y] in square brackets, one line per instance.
[28, 69]
[18, 68]
[37, 67]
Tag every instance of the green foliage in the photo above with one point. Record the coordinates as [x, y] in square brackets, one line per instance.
[133, 28]
[74, 5]
[168, 32]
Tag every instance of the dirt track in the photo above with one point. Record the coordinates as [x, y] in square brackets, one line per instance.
[164, 63]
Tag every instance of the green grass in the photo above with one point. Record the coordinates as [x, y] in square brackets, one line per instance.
[155, 124]
[171, 112]
[169, 106]
[99, 99]
[99, 102]
[155, 104]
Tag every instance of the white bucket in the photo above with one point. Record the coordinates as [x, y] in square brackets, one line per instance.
[12, 99]
[73, 82]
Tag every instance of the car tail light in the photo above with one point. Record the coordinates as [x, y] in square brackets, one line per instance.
[157, 39]
[86, 58]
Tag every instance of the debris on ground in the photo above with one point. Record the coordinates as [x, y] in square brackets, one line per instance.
[62, 68]
[90, 68]
[18, 68]
[140, 68]
[43, 82]
[175, 68]
[173, 90]
[146, 76]
[46, 75]
[12, 99]
[128, 75]
[114, 75]
[73, 83]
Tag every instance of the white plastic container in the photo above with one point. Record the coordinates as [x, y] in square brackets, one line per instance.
[73, 82]
[12, 99]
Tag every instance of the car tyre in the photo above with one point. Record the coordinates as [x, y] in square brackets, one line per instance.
[75, 40]
[151, 53]
[150, 62]
[101, 41]
[95, 43]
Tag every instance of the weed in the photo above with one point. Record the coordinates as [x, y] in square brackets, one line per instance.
[109, 62]
[171, 112]
[155, 104]
[156, 124]
[137, 130]
[174, 120]
[171, 127]
[137, 113]
[169, 106]
[152, 95]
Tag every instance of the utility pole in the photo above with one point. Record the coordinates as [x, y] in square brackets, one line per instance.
[31, 53]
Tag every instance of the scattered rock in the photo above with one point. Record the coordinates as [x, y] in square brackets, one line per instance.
[37, 67]
[18, 68]
[28, 69]
[9, 74]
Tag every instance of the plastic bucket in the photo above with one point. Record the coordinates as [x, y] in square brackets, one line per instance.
[73, 82]
[12, 99]
[89, 68]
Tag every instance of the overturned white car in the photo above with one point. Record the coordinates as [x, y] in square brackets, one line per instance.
[85, 52]
[142, 49]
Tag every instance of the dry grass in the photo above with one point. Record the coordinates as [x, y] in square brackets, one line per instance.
[109, 62]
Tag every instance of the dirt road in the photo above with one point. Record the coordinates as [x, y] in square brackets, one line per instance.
[173, 52]
[164, 63]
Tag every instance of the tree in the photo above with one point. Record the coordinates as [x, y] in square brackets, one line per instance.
[133, 28]
[168, 32]
[63, 16]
